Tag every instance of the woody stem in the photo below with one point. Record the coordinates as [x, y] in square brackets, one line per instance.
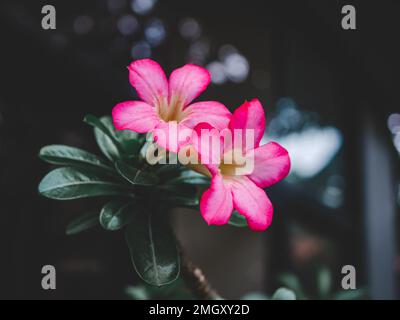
[196, 281]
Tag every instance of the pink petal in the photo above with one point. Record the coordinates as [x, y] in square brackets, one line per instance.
[252, 202]
[206, 141]
[186, 83]
[216, 202]
[250, 115]
[137, 116]
[171, 135]
[149, 80]
[271, 164]
[212, 112]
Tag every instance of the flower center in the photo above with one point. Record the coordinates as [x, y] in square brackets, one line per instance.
[234, 163]
[172, 110]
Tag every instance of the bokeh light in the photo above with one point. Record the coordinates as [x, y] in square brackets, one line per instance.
[198, 51]
[127, 24]
[393, 123]
[396, 141]
[236, 67]
[142, 6]
[155, 32]
[333, 194]
[288, 119]
[141, 50]
[225, 51]
[190, 29]
[311, 149]
[217, 71]
[311, 146]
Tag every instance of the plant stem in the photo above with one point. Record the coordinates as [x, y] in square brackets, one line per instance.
[196, 281]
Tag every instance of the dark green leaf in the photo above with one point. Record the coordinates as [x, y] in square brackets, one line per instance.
[237, 220]
[114, 143]
[65, 155]
[82, 223]
[116, 214]
[130, 141]
[178, 195]
[169, 171]
[104, 137]
[74, 183]
[153, 250]
[106, 145]
[135, 176]
[167, 168]
[190, 177]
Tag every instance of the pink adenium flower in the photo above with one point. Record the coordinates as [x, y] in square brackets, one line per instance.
[240, 185]
[166, 109]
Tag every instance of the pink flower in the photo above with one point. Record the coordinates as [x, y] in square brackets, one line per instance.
[239, 184]
[166, 109]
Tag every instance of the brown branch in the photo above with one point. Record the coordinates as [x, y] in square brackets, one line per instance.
[196, 281]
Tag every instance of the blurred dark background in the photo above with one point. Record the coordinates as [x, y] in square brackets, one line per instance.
[331, 98]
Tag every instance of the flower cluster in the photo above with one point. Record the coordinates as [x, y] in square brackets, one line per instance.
[227, 145]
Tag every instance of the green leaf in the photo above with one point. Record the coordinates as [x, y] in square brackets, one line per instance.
[114, 143]
[65, 155]
[237, 220]
[73, 183]
[82, 223]
[135, 176]
[190, 177]
[178, 195]
[168, 171]
[106, 145]
[284, 294]
[105, 137]
[116, 214]
[153, 250]
[130, 141]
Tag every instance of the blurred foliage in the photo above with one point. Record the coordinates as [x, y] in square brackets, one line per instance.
[325, 290]
[178, 291]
